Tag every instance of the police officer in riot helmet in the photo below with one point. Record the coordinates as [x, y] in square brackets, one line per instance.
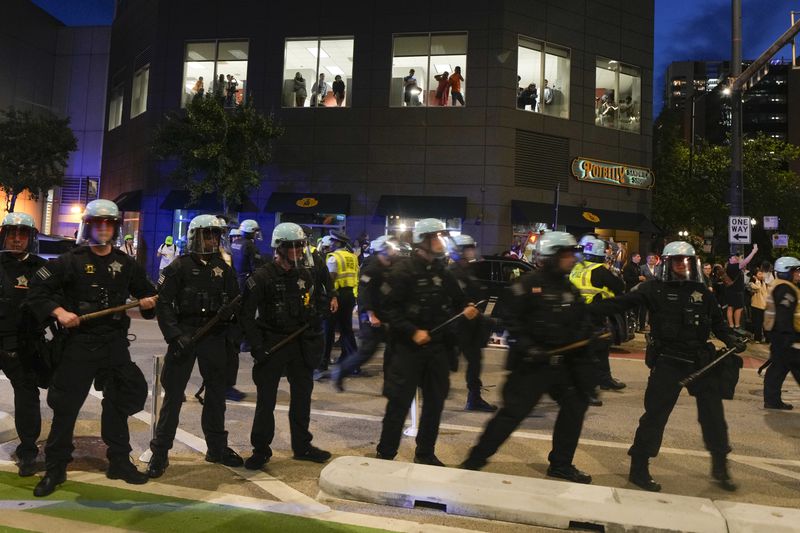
[192, 290]
[682, 315]
[280, 317]
[545, 313]
[472, 336]
[782, 320]
[595, 281]
[244, 252]
[18, 336]
[373, 328]
[421, 294]
[92, 277]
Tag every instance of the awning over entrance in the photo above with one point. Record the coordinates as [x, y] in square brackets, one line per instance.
[571, 216]
[206, 202]
[422, 206]
[326, 204]
[129, 201]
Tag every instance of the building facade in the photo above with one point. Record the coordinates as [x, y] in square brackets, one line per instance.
[555, 96]
[49, 66]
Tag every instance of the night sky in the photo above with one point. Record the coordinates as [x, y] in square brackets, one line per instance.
[685, 29]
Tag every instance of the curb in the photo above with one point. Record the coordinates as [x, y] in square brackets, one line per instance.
[8, 431]
[541, 502]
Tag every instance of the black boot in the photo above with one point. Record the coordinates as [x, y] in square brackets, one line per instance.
[225, 456]
[430, 459]
[568, 472]
[476, 403]
[719, 471]
[640, 475]
[473, 463]
[612, 384]
[158, 465]
[125, 470]
[27, 466]
[313, 454]
[52, 478]
[256, 461]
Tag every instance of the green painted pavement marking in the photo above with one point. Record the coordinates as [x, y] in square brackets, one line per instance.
[154, 513]
[9, 529]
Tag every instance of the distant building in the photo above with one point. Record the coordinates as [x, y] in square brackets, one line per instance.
[47, 65]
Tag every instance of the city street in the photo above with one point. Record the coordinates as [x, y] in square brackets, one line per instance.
[764, 458]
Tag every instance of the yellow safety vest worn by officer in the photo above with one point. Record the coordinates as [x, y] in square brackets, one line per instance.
[769, 312]
[581, 277]
[346, 269]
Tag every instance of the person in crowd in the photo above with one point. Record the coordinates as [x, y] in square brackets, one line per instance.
[319, 91]
[443, 88]
[92, 277]
[682, 314]
[527, 97]
[766, 269]
[280, 305]
[245, 254]
[20, 342]
[198, 89]
[167, 252]
[128, 246]
[411, 89]
[299, 90]
[718, 276]
[758, 303]
[420, 295]
[546, 313]
[338, 90]
[735, 287]
[632, 276]
[192, 290]
[782, 321]
[230, 91]
[707, 273]
[456, 79]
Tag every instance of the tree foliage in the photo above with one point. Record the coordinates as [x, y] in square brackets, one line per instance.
[697, 201]
[34, 149]
[217, 149]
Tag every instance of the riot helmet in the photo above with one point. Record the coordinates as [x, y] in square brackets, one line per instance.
[784, 267]
[463, 247]
[206, 235]
[339, 240]
[325, 244]
[430, 235]
[18, 234]
[100, 223]
[385, 245]
[549, 248]
[291, 244]
[250, 229]
[681, 263]
[593, 249]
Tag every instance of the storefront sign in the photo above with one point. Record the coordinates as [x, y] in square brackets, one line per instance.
[591, 217]
[307, 202]
[608, 173]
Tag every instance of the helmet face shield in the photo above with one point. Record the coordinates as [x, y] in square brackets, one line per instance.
[436, 244]
[296, 253]
[204, 241]
[19, 239]
[681, 268]
[98, 231]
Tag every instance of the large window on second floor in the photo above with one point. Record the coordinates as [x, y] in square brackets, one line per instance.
[429, 70]
[618, 95]
[218, 68]
[139, 91]
[115, 106]
[318, 72]
[543, 86]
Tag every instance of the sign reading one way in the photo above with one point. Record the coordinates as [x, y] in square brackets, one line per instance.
[739, 230]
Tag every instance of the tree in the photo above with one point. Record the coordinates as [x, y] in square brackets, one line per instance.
[217, 149]
[698, 202]
[34, 149]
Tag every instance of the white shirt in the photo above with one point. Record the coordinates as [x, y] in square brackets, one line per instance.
[167, 253]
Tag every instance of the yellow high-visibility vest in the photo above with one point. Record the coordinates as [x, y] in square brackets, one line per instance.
[769, 312]
[346, 269]
[581, 277]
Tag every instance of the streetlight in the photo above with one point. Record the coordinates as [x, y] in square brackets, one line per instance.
[683, 233]
[753, 222]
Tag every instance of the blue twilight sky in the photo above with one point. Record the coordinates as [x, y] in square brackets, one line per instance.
[685, 29]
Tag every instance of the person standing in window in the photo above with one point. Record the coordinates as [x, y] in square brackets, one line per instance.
[443, 88]
[230, 93]
[338, 90]
[198, 89]
[299, 90]
[318, 92]
[455, 86]
[410, 89]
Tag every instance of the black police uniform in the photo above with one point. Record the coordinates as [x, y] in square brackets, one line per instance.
[784, 347]
[421, 295]
[191, 291]
[97, 350]
[372, 285]
[602, 277]
[545, 311]
[285, 300]
[18, 357]
[682, 314]
[474, 334]
[246, 258]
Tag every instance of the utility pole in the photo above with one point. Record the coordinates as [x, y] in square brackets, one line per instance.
[735, 183]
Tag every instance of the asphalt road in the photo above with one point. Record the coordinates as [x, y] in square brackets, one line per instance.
[765, 458]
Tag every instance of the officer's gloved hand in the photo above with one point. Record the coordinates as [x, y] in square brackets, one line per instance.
[181, 345]
[535, 355]
[738, 345]
[259, 354]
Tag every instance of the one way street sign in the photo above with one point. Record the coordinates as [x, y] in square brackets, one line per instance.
[739, 230]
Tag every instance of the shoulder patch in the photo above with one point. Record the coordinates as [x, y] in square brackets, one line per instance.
[43, 274]
[250, 283]
[161, 279]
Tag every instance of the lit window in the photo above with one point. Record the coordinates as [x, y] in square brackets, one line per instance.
[543, 87]
[318, 72]
[115, 107]
[429, 69]
[217, 68]
[139, 92]
[618, 95]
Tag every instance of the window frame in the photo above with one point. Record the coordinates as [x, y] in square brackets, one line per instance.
[617, 72]
[120, 86]
[144, 95]
[319, 39]
[430, 36]
[544, 45]
[215, 61]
